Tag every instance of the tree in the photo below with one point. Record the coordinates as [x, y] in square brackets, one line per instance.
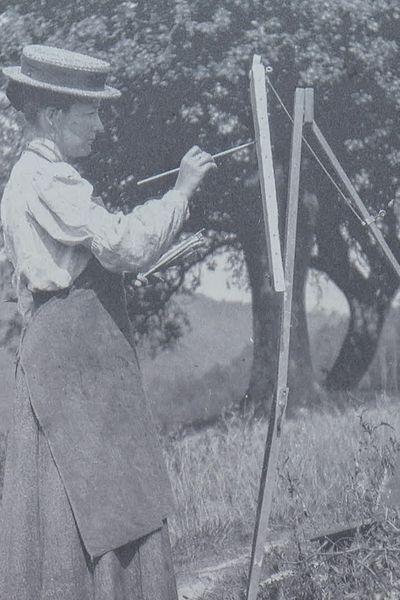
[183, 66]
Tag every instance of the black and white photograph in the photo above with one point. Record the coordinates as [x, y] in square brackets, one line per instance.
[199, 300]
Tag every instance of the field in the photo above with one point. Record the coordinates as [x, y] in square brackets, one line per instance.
[331, 472]
[331, 475]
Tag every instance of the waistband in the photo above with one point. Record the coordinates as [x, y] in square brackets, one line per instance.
[41, 297]
[93, 276]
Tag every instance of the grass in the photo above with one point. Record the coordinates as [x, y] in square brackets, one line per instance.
[331, 472]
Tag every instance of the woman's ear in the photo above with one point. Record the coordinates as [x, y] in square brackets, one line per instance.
[50, 119]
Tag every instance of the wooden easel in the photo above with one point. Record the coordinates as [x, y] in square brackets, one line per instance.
[303, 116]
[278, 405]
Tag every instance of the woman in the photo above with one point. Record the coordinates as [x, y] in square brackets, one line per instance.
[86, 494]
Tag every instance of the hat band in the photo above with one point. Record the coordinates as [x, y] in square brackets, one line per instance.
[92, 81]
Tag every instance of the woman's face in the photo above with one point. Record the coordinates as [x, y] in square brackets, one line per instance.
[76, 129]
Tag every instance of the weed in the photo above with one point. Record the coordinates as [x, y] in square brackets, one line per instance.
[331, 473]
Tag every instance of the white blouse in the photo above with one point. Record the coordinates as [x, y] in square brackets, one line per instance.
[52, 225]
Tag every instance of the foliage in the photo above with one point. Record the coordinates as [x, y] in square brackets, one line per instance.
[183, 66]
[10, 320]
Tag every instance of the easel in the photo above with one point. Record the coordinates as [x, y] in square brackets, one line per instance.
[303, 116]
[278, 405]
[282, 277]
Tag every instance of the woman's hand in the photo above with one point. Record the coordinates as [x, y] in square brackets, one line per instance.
[194, 167]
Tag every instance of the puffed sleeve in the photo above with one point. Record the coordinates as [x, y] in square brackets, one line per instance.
[63, 205]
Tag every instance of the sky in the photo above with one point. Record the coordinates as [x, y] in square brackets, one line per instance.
[319, 294]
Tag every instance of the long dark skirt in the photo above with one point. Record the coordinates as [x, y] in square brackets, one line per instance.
[41, 554]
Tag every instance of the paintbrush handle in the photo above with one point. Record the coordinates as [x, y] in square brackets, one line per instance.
[173, 171]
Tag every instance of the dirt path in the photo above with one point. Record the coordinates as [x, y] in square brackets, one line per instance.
[193, 585]
[194, 581]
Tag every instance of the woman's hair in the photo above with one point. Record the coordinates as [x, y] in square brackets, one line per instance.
[31, 100]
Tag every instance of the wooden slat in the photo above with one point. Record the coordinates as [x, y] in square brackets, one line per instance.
[376, 232]
[266, 172]
[309, 105]
[268, 474]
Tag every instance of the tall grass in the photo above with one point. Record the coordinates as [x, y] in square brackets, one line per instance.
[331, 473]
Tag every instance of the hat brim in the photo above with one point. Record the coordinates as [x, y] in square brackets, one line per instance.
[109, 93]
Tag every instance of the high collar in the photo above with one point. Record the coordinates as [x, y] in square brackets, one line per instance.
[45, 148]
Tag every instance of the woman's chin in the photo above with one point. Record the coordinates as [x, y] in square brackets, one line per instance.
[81, 152]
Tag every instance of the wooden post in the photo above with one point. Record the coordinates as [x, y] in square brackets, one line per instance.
[309, 105]
[278, 407]
[368, 220]
[259, 104]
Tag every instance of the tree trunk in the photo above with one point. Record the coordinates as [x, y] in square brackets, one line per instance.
[303, 387]
[265, 312]
[369, 296]
[266, 305]
[359, 346]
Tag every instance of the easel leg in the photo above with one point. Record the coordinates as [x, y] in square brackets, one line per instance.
[362, 209]
[268, 475]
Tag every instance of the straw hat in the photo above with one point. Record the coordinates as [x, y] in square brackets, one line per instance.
[58, 70]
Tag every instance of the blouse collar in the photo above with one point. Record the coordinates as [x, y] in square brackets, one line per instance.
[45, 148]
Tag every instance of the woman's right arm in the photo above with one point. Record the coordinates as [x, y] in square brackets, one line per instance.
[64, 207]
